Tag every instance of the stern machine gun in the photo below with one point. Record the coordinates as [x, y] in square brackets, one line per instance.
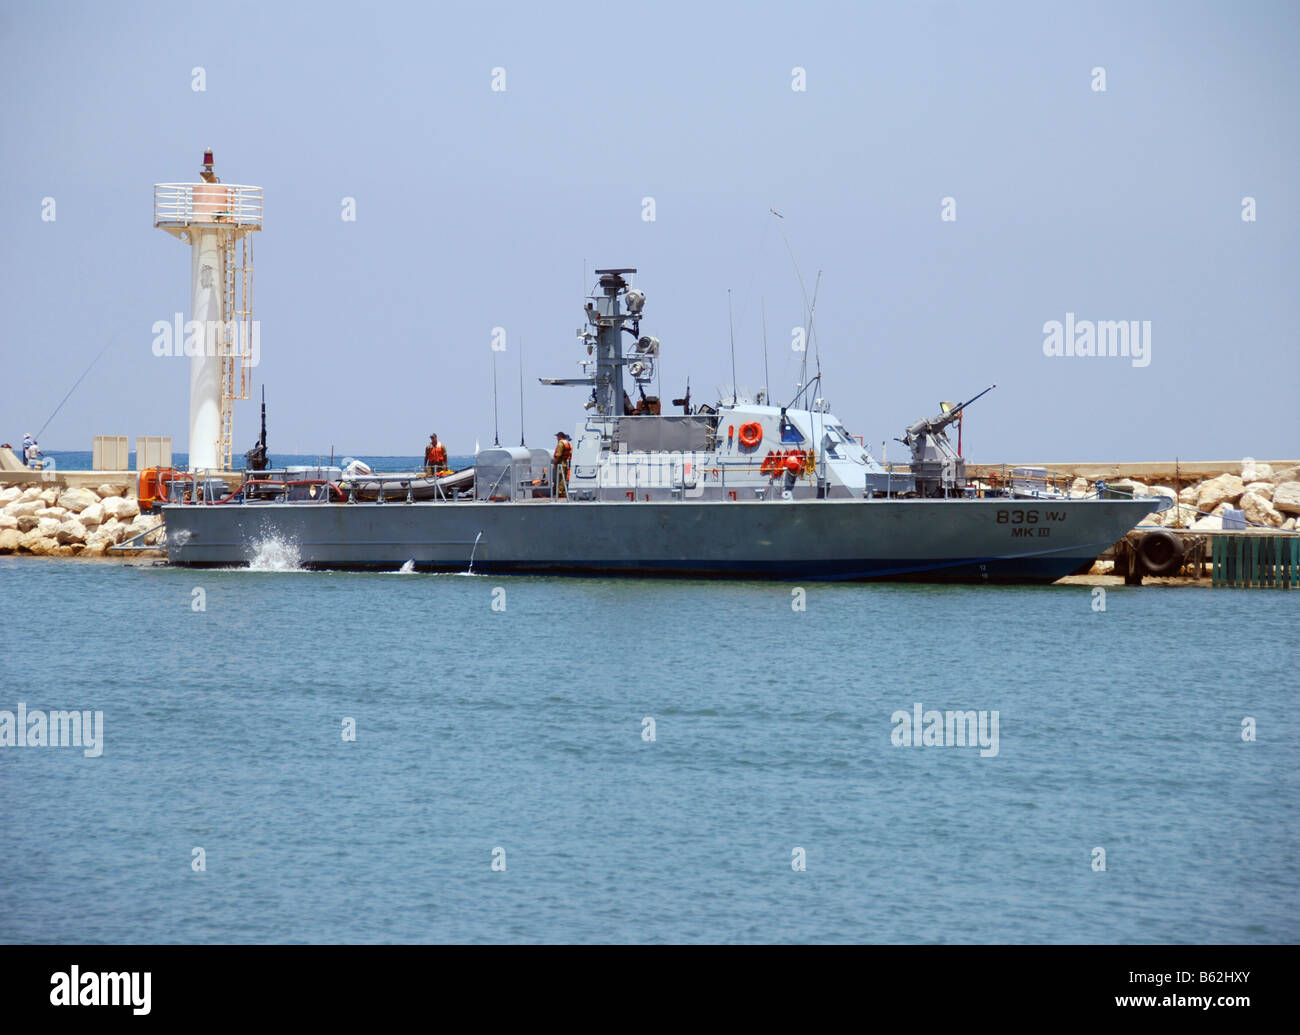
[256, 458]
[936, 466]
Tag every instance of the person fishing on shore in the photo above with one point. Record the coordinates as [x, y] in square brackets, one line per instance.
[31, 452]
[563, 455]
[435, 456]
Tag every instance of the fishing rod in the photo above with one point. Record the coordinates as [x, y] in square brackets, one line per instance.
[70, 391]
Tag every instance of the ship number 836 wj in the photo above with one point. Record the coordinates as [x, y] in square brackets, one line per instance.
[1023, 519]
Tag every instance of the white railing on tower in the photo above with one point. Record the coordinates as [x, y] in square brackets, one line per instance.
[213, 204]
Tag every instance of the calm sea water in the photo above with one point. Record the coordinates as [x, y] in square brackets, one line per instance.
[481, 729]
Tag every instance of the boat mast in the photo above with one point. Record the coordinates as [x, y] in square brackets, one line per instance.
[610, 319]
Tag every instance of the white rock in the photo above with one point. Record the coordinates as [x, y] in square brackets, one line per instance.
[50, 496]
[32, 492]
[144, 523]
[1290, 524]
[1079, 485]
[106, 490]
[1254, 471]
[58, 513]
[77, 500]
[1130, 486]
[8, 521]
[34, 542]
[47, 526]
[1225, 488]
[1260, 511]
[24, 508]
[113, 531]
[122, 509]
[10, 494]
[71, 531]
[92, 515]
[1286, 497]
[1264, 489]
[1208, 524]
[9, 539]
[1187, 494]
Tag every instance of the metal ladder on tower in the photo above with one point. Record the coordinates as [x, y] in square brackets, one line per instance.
[237, 310]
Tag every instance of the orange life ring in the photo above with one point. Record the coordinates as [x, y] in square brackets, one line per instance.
[751, 434]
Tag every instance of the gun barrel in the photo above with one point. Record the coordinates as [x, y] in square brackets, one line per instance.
[942, 420]
[971, 400]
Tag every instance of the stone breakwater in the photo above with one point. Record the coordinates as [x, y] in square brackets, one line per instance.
[1270, 499]
[50, 521]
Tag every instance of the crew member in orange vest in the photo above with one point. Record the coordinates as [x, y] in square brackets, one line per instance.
[435, 456]
[563, 454]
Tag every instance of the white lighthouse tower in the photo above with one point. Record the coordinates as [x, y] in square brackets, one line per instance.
[217, 220]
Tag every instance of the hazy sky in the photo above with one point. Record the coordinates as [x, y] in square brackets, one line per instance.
[477, 208]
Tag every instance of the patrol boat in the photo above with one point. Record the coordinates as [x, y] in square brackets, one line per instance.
[741, 488]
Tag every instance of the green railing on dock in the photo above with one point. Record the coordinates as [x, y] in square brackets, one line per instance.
[1255, 561]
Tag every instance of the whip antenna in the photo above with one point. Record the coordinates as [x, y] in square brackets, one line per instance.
[732, 328]
[496, 436]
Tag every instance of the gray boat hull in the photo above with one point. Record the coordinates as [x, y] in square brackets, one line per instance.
[980, 540]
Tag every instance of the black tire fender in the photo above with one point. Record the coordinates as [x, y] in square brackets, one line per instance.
[1160, 551]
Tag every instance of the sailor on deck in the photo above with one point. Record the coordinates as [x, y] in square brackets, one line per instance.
[435, 456]
[563, 454]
